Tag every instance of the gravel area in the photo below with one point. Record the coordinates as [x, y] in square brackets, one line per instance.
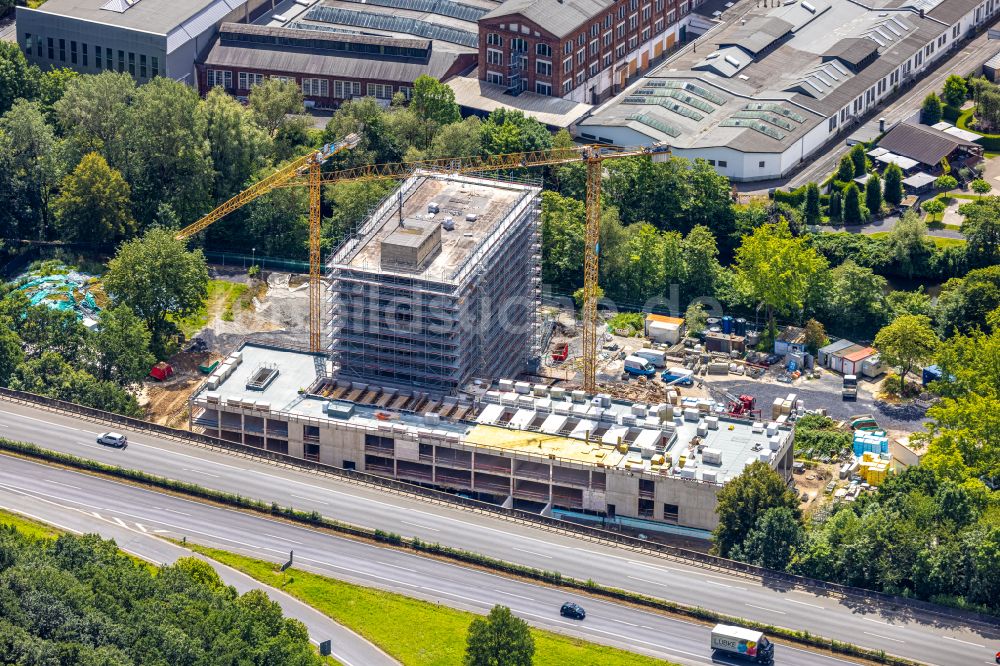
[823, 393]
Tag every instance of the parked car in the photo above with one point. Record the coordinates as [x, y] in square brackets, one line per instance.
[575, 611]
[114, 439]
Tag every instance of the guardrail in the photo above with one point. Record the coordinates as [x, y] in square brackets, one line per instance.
[594, 534]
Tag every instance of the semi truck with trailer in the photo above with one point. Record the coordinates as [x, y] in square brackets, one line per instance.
[741, 642]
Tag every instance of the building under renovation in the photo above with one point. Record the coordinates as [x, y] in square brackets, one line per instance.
[533, 447]
[440, 285]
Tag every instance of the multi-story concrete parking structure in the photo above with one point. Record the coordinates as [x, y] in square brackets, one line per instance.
[533, 447]
[146, 38]
[440, 285]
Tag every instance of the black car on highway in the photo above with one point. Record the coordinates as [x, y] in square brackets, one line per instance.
[575, 611]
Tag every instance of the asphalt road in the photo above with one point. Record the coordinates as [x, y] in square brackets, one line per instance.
[923, 636]
[132, 515]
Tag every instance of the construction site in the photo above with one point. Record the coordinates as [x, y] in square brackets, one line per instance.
[432, 367]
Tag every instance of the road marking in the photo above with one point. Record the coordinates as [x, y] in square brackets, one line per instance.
[959, 640]
[452, 594]
[868, 619]
[96, 515]
[141, 527]
[885, 638]
[396, 566]
[62, 484]
[119, 521]
[309, 499]
[31, 418]
[611, 619]
[651, 582]
[531, 552]
[198, 471]
[161, 531]
[650, 566]
[281, 538]
[712, 582]
[163, 508]
[511, 594]
[41, 520]
[423, 527]
[770, 610]
[804, 603]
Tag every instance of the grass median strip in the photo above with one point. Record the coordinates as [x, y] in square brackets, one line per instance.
[416, 632]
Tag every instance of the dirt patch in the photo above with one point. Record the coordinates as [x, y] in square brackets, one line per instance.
[813, 482]
[274, 309]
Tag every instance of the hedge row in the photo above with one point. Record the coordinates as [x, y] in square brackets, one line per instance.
[990, 142]
[314, 518]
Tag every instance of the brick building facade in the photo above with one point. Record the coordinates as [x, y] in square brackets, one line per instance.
[577, 49]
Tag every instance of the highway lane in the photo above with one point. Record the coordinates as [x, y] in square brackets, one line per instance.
[919, 636]
[133, 515]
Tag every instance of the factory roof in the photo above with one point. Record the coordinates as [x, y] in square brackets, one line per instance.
[559, 17]
[328, 53]
[158, 17]
[477, 207]
[479, 95]
[767, 76]
[696, 443]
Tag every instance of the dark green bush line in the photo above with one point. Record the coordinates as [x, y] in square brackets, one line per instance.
[314, 518]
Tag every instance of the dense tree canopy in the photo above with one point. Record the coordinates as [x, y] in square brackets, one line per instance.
[499, 639]
[743, 505]
[79, 600]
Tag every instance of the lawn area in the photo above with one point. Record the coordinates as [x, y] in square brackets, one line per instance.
[417, 633]
[940, 242]
[28, 526]
[222, 295]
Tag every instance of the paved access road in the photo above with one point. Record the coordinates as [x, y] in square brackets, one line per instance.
[922, 636]
[133, 515]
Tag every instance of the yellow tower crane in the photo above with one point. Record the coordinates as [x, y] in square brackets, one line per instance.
[592, 156]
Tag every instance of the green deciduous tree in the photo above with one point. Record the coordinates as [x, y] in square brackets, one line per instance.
[845, 169]
[774, 268]
[158, 278]
[955, 91]
[93, 206]
[965, 303]
[238, 147]
[510, 131]
[815, 335]
[18, 79]
[272, 101]
[945, 183]
[856, 302]
[852, 205]
[981, 187]
[119, 350]
[695, 318]
[701, 264]
[170, 162]
[457, 139]
[34, 166]
[981, 228]
[43, 329]
[811, 208]
[893, 187]
[562, 240]
[772, 541]
[907, 243]
[744, 501]
[499, 639]
[931, 110]
[434, 101]
[52, 376]
[350, 202]
[902, 302]
[873, 194]
[94, 114]
[11, 351]
[905, 342]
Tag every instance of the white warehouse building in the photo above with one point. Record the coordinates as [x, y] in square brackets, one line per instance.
[761, 92]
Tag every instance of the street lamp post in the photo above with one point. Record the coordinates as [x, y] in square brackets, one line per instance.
[253, 257]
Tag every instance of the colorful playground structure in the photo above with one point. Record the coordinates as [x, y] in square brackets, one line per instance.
[64, 291]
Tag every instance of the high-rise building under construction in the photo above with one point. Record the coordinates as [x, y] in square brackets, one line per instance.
[439, 286]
